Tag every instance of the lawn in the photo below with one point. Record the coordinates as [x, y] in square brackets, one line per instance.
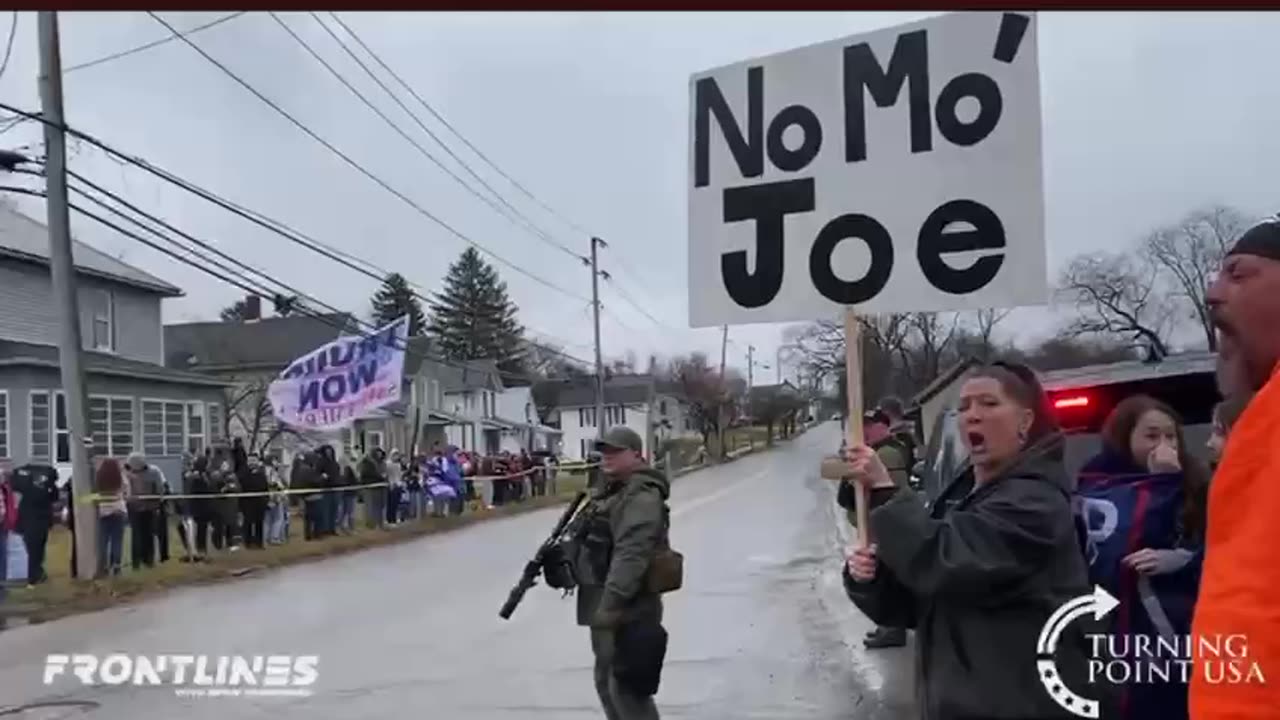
[62, 596]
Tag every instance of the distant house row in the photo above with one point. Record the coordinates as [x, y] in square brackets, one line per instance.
[165, 390]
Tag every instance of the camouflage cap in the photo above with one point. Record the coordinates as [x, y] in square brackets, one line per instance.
[620, 438]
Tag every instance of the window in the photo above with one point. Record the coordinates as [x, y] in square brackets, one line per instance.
[584, 448]
[153, 427]
[39, 418]
[111, 425]
[167, 425]
[4, 424]
[216, 423]
[175, 426]
[615, 415]
[662, 407]
[372, 439]
[102, 313]
[587, 417]
[61, 428]
[195, 428]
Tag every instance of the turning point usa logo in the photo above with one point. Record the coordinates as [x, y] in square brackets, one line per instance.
[1138, 659]
[193, 675]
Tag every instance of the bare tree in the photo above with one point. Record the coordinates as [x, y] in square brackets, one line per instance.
[926, 347]
[249, 415]
[984, 326]
[1117, 295]
[1190, 253]
[712, 401]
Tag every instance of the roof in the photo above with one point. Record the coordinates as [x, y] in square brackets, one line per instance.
[618, 390]
[29, 354]
[1129, 371]
[26, 239]
[268, 343]
[767, 390]
[943, 381]
[456, 377]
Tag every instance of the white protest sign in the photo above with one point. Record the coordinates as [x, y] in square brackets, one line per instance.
[894, 171]
[342, 381]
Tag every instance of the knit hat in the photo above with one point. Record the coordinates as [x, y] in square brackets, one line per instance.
[1261, 240]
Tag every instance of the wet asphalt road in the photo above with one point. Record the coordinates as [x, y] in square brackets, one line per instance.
[760, 630]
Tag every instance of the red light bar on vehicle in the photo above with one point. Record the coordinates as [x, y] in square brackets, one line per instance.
[1073, 401]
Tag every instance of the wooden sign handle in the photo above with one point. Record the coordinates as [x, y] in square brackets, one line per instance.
[853, 384]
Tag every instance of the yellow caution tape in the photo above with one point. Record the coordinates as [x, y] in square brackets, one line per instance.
[99, 497]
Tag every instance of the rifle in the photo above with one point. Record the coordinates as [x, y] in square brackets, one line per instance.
[533, 568]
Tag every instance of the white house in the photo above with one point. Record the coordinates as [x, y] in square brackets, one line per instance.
[471, 393]
[516, 407]
[655, 412]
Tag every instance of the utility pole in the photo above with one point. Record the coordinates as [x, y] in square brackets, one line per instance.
[751, 366]
[62, 269]
[595, 312]
[721, 418]
[724, 348]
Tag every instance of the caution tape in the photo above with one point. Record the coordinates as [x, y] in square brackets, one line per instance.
[99, 497]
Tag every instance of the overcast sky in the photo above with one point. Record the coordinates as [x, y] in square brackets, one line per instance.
[1147, 116]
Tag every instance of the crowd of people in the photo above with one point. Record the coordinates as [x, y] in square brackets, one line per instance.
[231, 499]
[1184, 546]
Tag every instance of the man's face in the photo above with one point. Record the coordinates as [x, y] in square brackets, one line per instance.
[874, 432]
[255, 462]
[618, 461]
[1244, 301]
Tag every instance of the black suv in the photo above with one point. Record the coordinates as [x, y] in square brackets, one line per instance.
[1082, 398]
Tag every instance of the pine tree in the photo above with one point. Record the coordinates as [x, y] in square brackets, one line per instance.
[473, 319]
[394, 300]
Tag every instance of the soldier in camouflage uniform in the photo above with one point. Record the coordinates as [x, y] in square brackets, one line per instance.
[616, 538]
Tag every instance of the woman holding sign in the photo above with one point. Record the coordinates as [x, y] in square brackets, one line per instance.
[979, 572]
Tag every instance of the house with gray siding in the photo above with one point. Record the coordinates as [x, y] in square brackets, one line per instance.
[135, 403]
[246, 355]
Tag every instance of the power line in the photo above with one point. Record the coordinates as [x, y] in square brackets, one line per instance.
[155, 43]
[357, 166]
[531, 226]
[512, 214]
[8, 45]
[454, 130]
[440, 118]
[617, 288]
[274, 226]
[230, 277]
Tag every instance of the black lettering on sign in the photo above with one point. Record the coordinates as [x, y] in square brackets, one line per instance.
[863, 74]
[747, 151]
[909, 64]
[979, 87]
[798, 159]
[768, 204]
[935, 240]
[846, 227]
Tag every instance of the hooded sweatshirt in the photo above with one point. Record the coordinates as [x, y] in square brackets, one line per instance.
[978, 573]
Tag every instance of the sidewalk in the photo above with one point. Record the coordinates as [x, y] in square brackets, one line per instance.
[889, 672]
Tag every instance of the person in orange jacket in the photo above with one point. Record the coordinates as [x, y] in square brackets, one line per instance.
[1240, 577]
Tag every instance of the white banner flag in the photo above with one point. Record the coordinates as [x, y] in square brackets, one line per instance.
[342, 381]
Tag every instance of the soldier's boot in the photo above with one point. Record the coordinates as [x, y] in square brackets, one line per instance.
[886, 638]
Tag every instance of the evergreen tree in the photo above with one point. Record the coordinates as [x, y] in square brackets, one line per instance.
[394, 300]
[473, 319]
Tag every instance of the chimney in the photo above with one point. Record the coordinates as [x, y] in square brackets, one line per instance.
[252, 308]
